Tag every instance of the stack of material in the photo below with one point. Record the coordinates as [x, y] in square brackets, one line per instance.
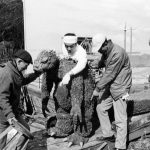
[139, 114]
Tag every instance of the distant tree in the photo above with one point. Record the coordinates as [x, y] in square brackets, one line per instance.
[11, 22]
[11, 28]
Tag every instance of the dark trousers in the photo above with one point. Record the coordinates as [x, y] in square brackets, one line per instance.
[4, 125]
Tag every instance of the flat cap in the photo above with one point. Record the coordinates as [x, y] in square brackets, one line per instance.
[24, 55]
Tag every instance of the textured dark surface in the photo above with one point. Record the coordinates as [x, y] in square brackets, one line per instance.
[139, 103]
[77, 92]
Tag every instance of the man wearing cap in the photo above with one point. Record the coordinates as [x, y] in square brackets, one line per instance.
[11, 80]
[76, 52]
[112, 89]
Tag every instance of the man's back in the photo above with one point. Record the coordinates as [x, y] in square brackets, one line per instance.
[123, 79]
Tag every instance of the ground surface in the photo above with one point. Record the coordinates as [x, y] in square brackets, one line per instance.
[43, 142]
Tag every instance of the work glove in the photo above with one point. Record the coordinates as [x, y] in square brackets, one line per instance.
[95, 94]
[11, 120]
[65, 80]
[125, 97]
[76, 114]
[97, 76]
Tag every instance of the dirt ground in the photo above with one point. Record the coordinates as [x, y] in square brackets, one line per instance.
[43, 142]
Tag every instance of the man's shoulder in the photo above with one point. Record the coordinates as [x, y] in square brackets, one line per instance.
[118, 50]
[81, 50]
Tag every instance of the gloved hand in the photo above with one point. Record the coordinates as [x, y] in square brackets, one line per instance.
[97, 76]
[125, 97]
[65, 80]
[95, 94]
[10, 120]
[76, 114]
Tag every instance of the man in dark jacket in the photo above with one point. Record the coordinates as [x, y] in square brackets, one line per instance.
[113, 89]
[11, 80]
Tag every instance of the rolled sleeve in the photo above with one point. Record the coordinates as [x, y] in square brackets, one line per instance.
[81, 58]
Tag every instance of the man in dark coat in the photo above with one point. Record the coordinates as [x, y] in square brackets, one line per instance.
[11, 80]
[113, 89]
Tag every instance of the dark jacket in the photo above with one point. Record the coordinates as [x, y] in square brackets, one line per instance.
[118, 73]
[11, 81]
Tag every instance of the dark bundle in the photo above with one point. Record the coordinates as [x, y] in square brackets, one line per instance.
[77, 93]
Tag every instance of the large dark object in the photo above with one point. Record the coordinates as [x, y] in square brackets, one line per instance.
[74, 98]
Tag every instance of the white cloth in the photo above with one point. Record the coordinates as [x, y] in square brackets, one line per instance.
[80, 56]
[70, 39]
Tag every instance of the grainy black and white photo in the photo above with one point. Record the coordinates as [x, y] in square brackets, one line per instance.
[74, 75]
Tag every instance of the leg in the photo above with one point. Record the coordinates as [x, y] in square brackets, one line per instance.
[102, 111]
[23, 138]
[120, 112]
[3, 126]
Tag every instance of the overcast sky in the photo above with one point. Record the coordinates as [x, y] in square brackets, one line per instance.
[46, 21]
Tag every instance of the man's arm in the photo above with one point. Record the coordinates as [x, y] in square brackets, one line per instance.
[111, 71]
[81, 64]
[30, 77]
[5, 105]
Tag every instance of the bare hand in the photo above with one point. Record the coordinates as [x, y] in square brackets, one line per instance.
[95, 94]
[65, 80]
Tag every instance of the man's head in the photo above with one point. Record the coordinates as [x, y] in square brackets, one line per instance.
[23, 59]
[70, 42]
[98, 41]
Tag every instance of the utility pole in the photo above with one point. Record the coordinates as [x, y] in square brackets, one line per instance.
[131, 40]
[125, 30]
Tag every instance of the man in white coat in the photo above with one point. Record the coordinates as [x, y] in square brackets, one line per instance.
[76, 52]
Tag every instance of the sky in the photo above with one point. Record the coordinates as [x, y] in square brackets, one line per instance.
[46, 21]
